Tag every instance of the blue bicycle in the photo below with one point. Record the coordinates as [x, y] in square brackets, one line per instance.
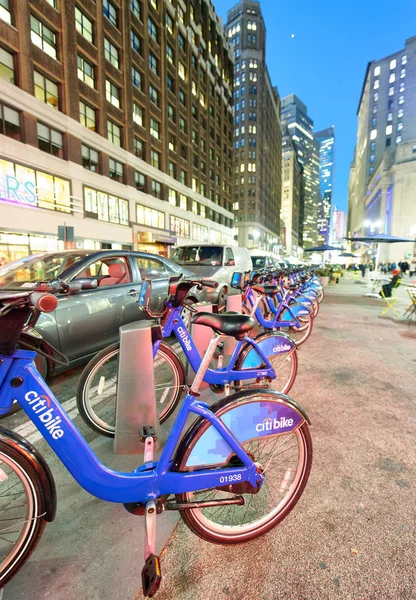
[234, 475]
[268, 360]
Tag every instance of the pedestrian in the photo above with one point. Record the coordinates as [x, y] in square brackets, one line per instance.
[404, 266]
[362, 268]
[3, 261]
[393, 266]
[388, 287]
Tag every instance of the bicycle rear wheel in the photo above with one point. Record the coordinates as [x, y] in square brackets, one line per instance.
[22, 511]
[97, 387]
[284, 459]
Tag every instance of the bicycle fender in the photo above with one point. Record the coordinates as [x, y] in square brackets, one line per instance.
[270, 344]
[246, 421]
[39, 465]
[304, 299]
[297, 310]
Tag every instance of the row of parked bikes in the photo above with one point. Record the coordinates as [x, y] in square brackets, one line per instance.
[234, 474]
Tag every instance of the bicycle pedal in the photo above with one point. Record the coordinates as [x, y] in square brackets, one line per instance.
[151, 576]
[147, 431]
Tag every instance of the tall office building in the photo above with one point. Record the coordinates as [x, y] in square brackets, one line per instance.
[257, 132]
[326, 139]
[292, 198]
[116, 120]
[338, 225]
[295, 118]
[383, 172]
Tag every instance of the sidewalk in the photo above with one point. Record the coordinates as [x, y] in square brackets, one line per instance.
[352, 534]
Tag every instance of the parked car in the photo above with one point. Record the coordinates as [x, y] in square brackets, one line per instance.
[262, 259]
[211, 261]
[89, 320]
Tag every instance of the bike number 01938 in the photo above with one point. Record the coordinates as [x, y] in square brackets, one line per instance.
[230, 478]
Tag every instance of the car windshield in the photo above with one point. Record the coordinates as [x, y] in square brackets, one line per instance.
[198, 255]
[259, 262]
[24, 273]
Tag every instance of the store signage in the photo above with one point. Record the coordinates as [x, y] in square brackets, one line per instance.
[17, 190]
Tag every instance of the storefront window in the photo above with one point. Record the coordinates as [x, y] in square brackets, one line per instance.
[199, 232]
[29, 187]
[105, 207]
[150, 217]
[180, 226]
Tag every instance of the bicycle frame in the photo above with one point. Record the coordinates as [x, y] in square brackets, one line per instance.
[19, 380]
[273, 323]
[174, 324]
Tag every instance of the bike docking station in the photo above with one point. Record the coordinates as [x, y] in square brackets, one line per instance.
[136, 414]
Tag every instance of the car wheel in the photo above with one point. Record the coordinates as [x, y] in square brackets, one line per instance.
[222, 300]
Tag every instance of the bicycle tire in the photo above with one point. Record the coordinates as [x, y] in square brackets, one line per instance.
[14, 465]
[292, 356]
[200, 521]
[106, 426]
[299, 334]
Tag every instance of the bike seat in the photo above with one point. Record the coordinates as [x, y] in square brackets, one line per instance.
[233, 324]
[269, 290]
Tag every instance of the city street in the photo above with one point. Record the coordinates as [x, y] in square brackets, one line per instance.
[350, 536]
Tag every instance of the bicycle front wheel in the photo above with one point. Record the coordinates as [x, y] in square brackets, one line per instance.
[22, 512]
[284, 459]
[97, 387]
[298, 334]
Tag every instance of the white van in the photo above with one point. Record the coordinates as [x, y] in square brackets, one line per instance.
[213, 261]
[263, 259]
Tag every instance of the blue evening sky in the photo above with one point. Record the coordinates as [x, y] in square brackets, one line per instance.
[325, 63]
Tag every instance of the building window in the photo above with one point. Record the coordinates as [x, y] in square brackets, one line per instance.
[180, 226]
[389, 117]
[376, 84]
[153, 64]
[136, 78]
[372, 146]
[400, 113]
[392, 77]
[172, 169]
[182, 71]
[393, 64]
[156, 189]
[153, 30]
[154, 95]
[111, 53]
[401, 99]
[182, 176]
[113, 133]
[391, 90]
[110, 11]
[105, 207]
[136, 8]
[182, 98]
[87, 116]
[89, 158]
[170, 55]
[136, 42]
[154, 128]
[390, 104]
[84, 25]
[150, 217]
[85, 71]
[140, 180]
[401, 86]
[46, 90]
[388, 141]
[376, 71]
[182, 124]
[154, 3]
[6, 65]
[371, 158]
[42, 36]
[172, 197]
[183, 202]
[171, 113]
[399, 126]
[112, 93]
[404, 59]
[402, 73]
[138, 147]
[50, 140]
[137, 114]
[5, 12]
[375, 96]
[9, 122]
[398, 139]
[172, 143]
[169, 23]
[170, 83]
[155, 159]
[181, 42]
[116, 170]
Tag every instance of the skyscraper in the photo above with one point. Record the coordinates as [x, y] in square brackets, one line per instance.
[257, 132]
[326, 139]
[383, 172]
[294, 117]
[292, 198]
[116, 119]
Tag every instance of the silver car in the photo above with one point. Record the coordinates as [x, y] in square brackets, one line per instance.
[89, 320]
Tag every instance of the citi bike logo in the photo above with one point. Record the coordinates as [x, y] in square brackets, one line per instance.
[282, 348]
[41, 405]
[270, 424]
[185, 338]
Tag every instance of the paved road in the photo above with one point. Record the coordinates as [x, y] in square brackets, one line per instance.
[352, 535]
